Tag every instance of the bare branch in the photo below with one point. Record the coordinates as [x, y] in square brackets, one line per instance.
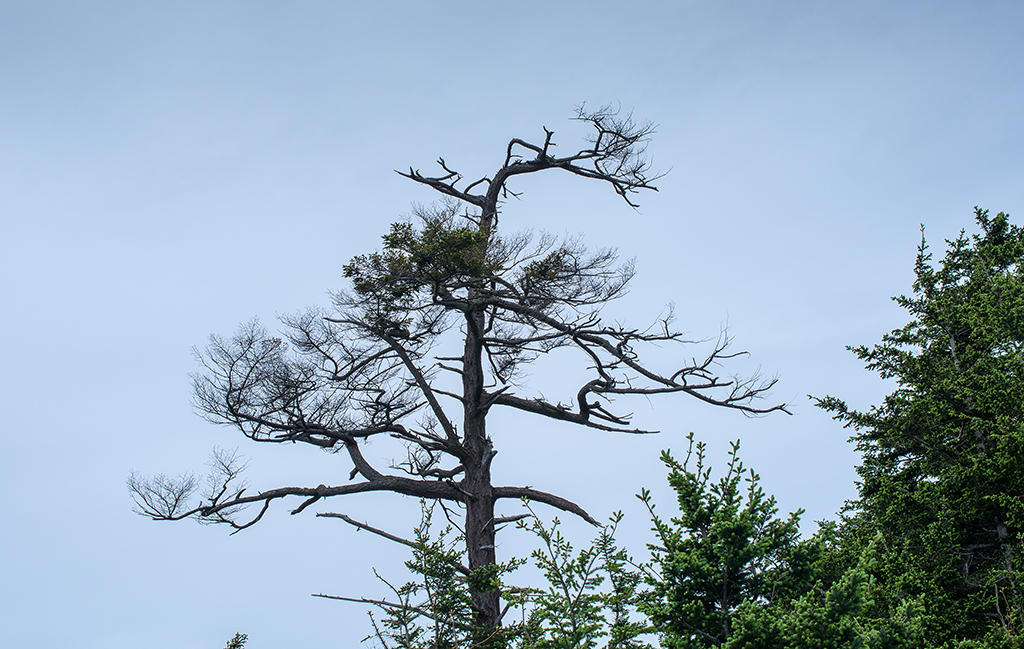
[562, 413]
[618, 345]
[379, 532]
[543, 497]
[445, 184]
[502, 520]
[428, 392]
[162, 497]
[386, 604]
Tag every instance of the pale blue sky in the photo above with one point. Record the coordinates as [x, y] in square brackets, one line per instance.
[168, 170]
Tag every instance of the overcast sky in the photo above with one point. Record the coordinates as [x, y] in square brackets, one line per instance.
[169, 170]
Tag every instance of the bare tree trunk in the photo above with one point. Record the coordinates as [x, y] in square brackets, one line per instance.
[480, 545]
[477, 481]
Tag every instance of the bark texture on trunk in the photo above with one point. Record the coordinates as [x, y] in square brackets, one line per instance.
[477, 482]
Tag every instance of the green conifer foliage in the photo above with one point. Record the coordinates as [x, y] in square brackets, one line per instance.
[724, 550]
[237, 642]
[943, 469]
[589, 597]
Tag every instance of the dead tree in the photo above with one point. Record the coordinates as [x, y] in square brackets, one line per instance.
[371, 365]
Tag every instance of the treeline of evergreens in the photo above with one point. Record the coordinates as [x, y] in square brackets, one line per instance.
[925, 557]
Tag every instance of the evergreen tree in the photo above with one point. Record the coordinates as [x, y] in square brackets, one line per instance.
[724, 550]
[941, 474]
[840, 612]
[237, 642]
